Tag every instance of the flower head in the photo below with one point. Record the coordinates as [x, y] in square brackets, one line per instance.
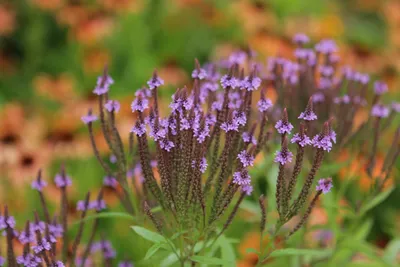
[322, 141]
[325, 185]
[229, 81]
[38, 184]
[166, 144]
[112, 106]
[241, 177]
[125, 264]
[396, 106]
[301, 139]
[103, 84]
[140, 104]
[199, 74]
[245, 158]
[264, 104]
[89, 118]
[247, 189]
[380, 111]
[326, 46]
[62, 180]
[380, 87]
[249, 138]
[283, 156]
[110, 181]
[308, 114]
[301, 39]
[251, 83]
[155, 81]
[139, 129]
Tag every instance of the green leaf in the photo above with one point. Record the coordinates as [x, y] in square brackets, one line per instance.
[149, 235]
[363, 230]
[252, 250]
[120, 215]
[375, 201]
[300, 252]
[391, 252]
[169, 260]
[153, 249]
[210, 260]
[227, 250]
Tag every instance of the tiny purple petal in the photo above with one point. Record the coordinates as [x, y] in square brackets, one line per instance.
[324, 185]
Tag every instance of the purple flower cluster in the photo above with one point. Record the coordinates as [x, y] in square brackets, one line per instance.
[110, 182]
[112, 106]
[249, 138]
[103, 84]
[301, 139]
[62, 181]
[380, 111]
[105, 247]
[155, 82]
[264, 104]
[283, 156]
[242, 177]
[246, 158]
[89, 118]
[325, 185]
[38, 184]
[284, 127]
[97, 205]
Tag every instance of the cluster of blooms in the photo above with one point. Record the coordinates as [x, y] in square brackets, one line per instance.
[40, 238]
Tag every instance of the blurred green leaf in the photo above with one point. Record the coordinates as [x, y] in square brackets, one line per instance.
[153, 249]
[120, 215]
[300, 252]
[391, 251]
[210, 260]
[375, 201]
[227, 250]
[149, 235]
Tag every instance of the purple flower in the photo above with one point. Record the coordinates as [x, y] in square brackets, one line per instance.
[249, 138]
[113, 159]
[318, 97]
[166, 144]
[303, 53]
[326, 46]
[247, 189]
[264, 104]
[239, 117]
[241, 177]
[302, 140]
[229, 81]
[27, 237]
[308, 115]
[105, 247]
[246, 159]
[139, 129]
[29, 260]
[112, 105]
[238, 57]
[251, 83]
[396, 106]
[155, 81]
[380, 87]
[42, 245]
[38, 184]
[62, 181]
[202, 134]
[89, 118]
[110, 181]
[361, 77]
[80, 205]
[301, 39]
[2, 261]
[325, 185]
[235, 100]
[283, 127]
[56, 230]
[326, 71]
[59, 264]
[199, 74]
[103, 84]
[380, 111]
[10, 222]
[283, 156]
[140, 104]
[202, 165]
[230, 126]
[321, 141]
[97, 205]
[210, 119]
[125, 264]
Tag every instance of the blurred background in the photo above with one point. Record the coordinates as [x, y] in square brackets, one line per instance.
[51, 52]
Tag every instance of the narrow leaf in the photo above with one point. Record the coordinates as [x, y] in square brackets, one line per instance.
[375, 201]
[210, 260]
[391, 252]
[149, 235]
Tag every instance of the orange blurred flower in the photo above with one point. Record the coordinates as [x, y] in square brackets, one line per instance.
[48, 4]
[59, 88]
[95, 60]
[93, 30]
[7, 20]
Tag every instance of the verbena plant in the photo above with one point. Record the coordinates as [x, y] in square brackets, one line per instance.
[202, 151]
